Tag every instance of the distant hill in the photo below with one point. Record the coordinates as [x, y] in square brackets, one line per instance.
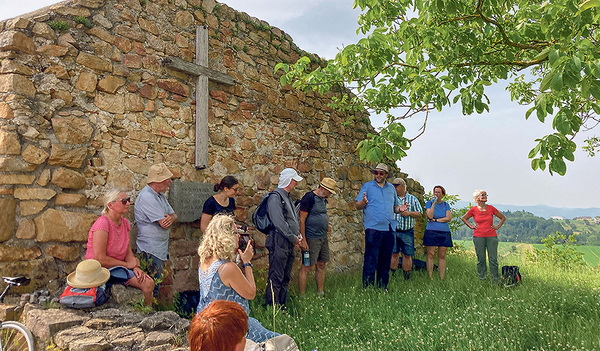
[545, 211]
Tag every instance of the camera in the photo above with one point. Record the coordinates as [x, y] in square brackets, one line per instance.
[243, 238]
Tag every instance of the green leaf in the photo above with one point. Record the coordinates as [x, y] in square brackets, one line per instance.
[546, 81]
[557, 81]
[588, 5]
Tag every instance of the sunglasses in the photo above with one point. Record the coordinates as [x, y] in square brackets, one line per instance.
[125, 200]
[378, 173]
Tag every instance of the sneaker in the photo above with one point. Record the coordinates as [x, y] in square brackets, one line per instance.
[406, 275]
[320, 293]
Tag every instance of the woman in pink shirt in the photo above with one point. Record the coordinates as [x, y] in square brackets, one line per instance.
[485, 237]
[108, 242]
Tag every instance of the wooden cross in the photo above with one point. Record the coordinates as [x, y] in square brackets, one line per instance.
[203, 74]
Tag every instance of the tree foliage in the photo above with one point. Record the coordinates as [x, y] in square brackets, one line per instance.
[559, 251]
[420, 55]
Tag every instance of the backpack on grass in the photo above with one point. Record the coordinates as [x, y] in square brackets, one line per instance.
[510, 276]
[83, 298]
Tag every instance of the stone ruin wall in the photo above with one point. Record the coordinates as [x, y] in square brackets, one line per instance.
[90, 107]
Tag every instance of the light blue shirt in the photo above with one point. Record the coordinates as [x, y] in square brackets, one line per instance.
[150, 207]
[379, 212]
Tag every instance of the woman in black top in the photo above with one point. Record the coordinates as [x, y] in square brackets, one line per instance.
[222, 202]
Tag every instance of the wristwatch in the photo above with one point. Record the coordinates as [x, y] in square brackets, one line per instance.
[247, 265]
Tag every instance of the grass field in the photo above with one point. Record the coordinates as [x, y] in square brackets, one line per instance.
[511, 252]
[551, 310]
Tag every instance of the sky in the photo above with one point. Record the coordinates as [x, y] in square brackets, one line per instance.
[462, 153]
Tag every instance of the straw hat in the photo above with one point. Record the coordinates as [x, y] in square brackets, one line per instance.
[328, 184]
[399, 181]
[381, 167]
[89, 274]
[158, 173]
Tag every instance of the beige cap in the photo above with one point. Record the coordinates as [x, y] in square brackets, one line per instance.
[381, 167]
[328, 184]
[158, 173]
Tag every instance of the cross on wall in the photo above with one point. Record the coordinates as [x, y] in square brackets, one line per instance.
[203, 74]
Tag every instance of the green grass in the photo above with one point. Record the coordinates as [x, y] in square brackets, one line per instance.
[591, 254]
[550, 310]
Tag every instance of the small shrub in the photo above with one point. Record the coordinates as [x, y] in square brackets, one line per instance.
[143, 2]
[59, 25]
[82, 20]
[559, 251]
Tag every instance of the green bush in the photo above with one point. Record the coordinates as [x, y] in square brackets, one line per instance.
[559, 251]
[59, 25]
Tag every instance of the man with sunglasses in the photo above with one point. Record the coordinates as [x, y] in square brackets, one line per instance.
[154, 217]
[378, 201]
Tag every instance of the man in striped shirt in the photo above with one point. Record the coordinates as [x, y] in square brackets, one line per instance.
[410, 209]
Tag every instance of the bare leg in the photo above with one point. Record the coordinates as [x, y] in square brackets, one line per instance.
[406, 263]
[442, 261]
[147, 288]
[429, 262]
[302, 273]
[320, 276]
[395, 261]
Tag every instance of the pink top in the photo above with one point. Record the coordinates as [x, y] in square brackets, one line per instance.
[118, 238]
[484, 220]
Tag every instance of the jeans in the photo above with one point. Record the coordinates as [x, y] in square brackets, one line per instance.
[378, 254]
[491, 245]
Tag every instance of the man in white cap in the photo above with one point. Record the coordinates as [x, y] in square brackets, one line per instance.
[154, 217]
[314, 227]
[379, 202]
[283, 238]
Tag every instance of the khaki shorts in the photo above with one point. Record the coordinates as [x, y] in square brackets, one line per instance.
[318, 250]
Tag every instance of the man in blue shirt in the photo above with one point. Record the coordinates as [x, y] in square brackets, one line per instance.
[154, 218]
[379, 202]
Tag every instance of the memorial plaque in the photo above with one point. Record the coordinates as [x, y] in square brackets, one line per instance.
[187, 199]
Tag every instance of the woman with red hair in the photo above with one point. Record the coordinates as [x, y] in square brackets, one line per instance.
[221, 326]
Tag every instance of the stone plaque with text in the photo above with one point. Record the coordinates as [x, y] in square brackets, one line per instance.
[187, 199]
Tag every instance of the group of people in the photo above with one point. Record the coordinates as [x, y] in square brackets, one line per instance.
[389, 217]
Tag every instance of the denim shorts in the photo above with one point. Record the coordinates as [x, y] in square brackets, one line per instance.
[404, 242]
[437, 238]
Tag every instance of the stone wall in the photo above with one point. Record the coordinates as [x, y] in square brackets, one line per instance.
[86, 105]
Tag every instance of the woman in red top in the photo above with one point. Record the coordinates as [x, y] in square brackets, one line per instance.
[484, 234]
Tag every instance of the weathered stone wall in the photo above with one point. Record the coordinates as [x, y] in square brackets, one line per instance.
[86, 105]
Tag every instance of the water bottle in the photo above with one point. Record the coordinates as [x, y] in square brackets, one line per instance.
[305, 258]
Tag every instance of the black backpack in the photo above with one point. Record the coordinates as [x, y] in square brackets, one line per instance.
[510, 276]
[260, 217]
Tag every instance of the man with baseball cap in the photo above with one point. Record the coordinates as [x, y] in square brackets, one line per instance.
[314, 227]
[379, 202]
[154, 217]
[282, 238]
[404, 236]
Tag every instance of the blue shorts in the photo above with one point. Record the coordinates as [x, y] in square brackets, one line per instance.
[120, 275]
[437, 238]
[404, 241]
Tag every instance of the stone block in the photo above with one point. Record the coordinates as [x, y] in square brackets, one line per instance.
[174, 86]
[16, 253]
[68, 179]
[34, 193]
[86, 82]
[44, 324]
[63, 156]
[5, 111]
[134, 103]
[125, 337]
[110, 84]
[126, 295]
[8, 211]
[58, 70]
[102, 34]
[72, 200]
[94, 62]
[130, 33]
[44, 177]
[34, 155]
[72, 130]
[63, 226]
[11, 66]
[28, 208]
[53, 50]
[16, 84]
[43, 30]
[63, 253]
[16, 41]
[8, 179]
[15, 164]
[26, 230]
[110, 103]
